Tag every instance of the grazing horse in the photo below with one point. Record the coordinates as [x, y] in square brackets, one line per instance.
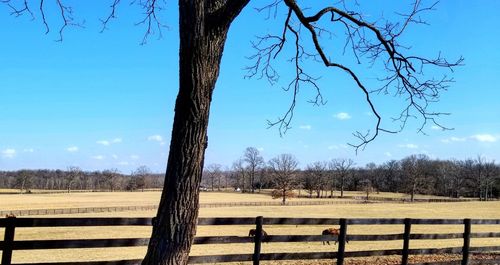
[253, 232]
[332, 232]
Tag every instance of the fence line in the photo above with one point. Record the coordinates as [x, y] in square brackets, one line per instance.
[31, 212]
[8, 245]
[356, 200]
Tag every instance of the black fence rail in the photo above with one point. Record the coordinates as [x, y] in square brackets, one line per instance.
[8, 245]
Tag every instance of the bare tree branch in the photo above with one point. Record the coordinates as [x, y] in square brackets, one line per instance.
[375, 41]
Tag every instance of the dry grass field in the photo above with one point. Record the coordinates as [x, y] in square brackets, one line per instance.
[383, 210]
[114, 199]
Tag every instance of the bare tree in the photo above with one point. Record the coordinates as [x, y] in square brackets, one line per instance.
[142, 176]
[254, 162]
[214, 174]
[23, 180]
[314, 178]
[283, 169]
[203, 29]
[240, 174]
[73, 175]
[111, 178]
[342, 168]
[416, 174]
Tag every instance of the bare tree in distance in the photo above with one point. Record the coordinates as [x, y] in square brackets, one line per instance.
[73, 175]
[341, 167]
[203, 29]
[214, 174]
[315, 177]
[283, 172]
[254, 162]
[241, 173]
[142, 174]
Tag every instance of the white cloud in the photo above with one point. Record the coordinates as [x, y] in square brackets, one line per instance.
[104, 142]
[260, 149]
[342, 116]
[454, 139]
[305, 127]
[110, 142]
[435, 127]
[98, 157]
[123, 163]
[72, 149]
[114, 156]
[388, 154]
[484, 138]
[29, 150]
[9, 153]
[331, 147]
[156, 138]
[134, 157]
[409, 146]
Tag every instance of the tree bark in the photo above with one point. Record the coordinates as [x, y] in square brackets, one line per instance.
[203, 30]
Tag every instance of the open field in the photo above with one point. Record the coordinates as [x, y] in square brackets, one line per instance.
[115, 199]
[478, 210]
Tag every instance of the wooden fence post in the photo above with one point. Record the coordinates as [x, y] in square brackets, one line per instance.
[342, 239]
[257, 239]
[10, 229]
[406, 242]
[465, 249]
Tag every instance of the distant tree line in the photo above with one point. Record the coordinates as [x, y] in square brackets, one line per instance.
[415, 174]
[74, 178]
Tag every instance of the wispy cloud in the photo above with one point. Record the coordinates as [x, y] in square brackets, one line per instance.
[305, 127]
[9, 153]
[156, 138]
[260, 149]
[110, 142]
[134, 157]
[104, 142]
[342, 116]
[114, 156]
[123, 163]
[435, 127]
[388, 154]
[454, 139]
[409, 146]
[29, 150]
[72, 149]
[98, 157]
[488, 138]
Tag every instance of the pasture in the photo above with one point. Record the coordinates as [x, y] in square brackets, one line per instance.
[478, 210]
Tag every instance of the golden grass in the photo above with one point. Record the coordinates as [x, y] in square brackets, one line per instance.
[478, 210]
[115, 199]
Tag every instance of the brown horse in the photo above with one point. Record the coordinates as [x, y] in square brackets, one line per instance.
[253, 232]
[335, 232]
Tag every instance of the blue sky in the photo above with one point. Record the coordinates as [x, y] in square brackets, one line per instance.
[102, 100]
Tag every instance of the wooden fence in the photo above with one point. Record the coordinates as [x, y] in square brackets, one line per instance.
[8, 245]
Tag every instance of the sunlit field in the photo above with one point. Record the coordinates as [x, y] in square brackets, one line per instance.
[114, 199]
[377, 210]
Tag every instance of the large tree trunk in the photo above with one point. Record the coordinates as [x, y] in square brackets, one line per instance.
[202, 38]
